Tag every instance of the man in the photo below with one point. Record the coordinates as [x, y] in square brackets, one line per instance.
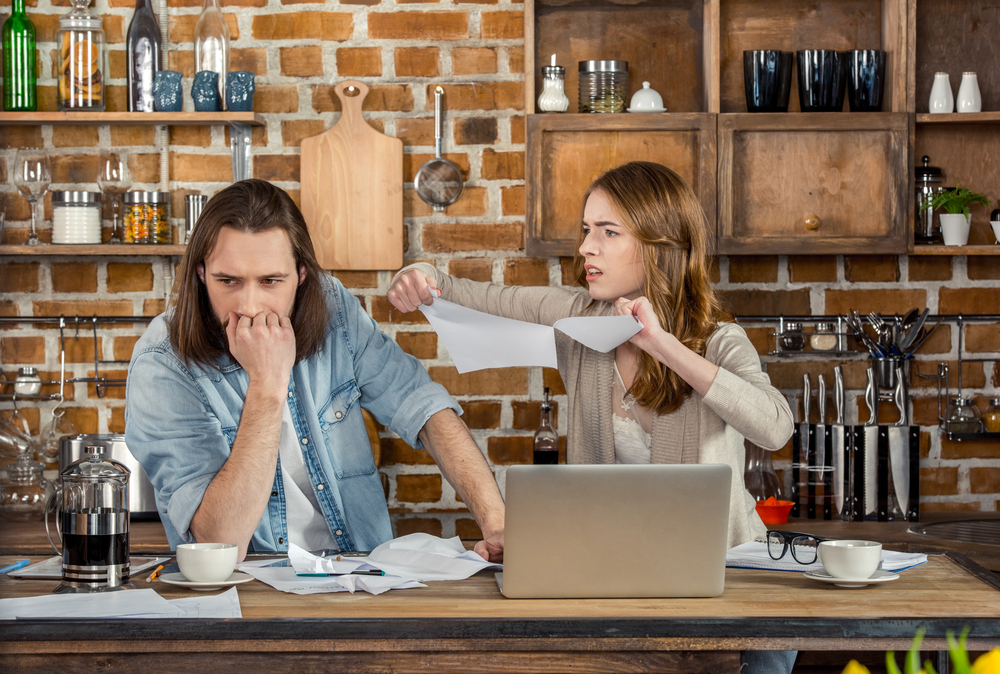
[243, 402]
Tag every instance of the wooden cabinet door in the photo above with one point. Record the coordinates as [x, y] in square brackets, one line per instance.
[814, 183]
[565, 153]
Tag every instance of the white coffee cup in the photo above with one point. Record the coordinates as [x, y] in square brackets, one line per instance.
[995, 224]
[206, 562]
[850, 559]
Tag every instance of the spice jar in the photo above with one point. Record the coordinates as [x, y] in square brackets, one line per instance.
[28, 383]
[82, 58]
[603, 85]
[792, 339]
[963, 416]
[146, 217]
[76, 217]
[991, 417]
[553, 97]
[823, 338]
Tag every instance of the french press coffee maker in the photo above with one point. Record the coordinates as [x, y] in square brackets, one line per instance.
[928, 179]
[92, 523]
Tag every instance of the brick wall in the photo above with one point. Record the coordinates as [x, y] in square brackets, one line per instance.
[401, 50]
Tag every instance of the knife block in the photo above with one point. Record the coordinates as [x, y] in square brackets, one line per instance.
[881, 473]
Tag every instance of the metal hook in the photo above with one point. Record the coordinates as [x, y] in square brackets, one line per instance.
[97, 374]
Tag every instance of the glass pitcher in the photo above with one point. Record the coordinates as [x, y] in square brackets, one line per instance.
[759, 476]
[92, 523]
[22, 494]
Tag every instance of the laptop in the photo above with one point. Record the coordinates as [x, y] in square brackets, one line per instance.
[579, 531]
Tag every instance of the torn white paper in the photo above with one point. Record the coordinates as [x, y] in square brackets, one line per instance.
[425, 557]
[283, 578]
[223, 605]
[477, 340]
[122, 604]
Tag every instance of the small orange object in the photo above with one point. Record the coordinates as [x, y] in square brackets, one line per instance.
[773, 511]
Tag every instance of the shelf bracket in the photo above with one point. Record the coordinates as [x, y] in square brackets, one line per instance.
[239, 142]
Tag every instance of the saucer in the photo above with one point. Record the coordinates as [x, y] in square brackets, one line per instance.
[646, 109]
[878, 577]
[179, 579]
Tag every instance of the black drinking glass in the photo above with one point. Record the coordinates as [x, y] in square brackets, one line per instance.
[822, 79]
[865, 79]
[767, 79]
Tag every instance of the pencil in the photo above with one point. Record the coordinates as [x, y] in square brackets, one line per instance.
[151, 577]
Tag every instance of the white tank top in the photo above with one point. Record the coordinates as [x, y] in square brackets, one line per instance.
[632, 424]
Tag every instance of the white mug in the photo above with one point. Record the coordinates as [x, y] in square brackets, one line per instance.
[206, 562]
[854, 560]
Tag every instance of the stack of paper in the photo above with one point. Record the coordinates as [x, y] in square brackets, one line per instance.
[754, 555]
[145, 603]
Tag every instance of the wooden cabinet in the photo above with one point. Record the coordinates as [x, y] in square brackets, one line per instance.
[849, 173]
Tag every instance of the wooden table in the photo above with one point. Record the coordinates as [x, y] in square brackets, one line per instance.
[467, 626]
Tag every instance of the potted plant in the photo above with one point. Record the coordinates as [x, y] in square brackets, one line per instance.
[956, 218]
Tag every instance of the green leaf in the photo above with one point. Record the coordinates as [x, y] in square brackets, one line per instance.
[928, 667]
[959, 656]
[912, 663]
[890, 663]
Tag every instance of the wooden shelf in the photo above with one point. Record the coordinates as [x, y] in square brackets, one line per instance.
[959, 118]
[956, 250]
[130, 118]
[105, 250]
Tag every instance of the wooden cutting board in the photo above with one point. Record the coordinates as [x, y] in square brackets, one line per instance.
[352, 190]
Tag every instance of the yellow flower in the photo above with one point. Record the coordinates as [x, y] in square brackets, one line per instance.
[855, 667]
[987, 663]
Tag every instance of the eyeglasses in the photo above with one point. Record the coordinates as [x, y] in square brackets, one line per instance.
[803, 546]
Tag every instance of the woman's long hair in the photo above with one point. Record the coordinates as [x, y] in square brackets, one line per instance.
[248, 206]
[659, 209]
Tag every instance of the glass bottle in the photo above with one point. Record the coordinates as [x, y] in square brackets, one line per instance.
[991, 417]
[211, 44]
[963, 416]
[82, 57]
[28, 383]
[553, 97]
[142, 44]
[759, 476]
[792, 339]
[19, 64]
[22, 495]
[546, 443]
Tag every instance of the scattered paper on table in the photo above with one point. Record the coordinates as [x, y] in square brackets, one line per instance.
[223, 605]
[754, 555]
[425, 557]
[121, 604]
[477, 340]
[283, 578]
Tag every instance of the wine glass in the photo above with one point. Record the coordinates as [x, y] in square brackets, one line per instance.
[114, 179]
[32, 175]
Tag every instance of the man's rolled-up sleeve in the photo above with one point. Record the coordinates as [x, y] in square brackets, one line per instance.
[171, 430]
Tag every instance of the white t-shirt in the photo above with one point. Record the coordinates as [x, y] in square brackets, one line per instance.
[306, 525]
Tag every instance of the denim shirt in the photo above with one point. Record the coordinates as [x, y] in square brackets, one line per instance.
[181, 421]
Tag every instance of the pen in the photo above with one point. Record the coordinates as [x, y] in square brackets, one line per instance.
[15, 566]
[151, 577]
[364, 572]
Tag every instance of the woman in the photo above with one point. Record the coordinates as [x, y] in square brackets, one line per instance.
[688, 388]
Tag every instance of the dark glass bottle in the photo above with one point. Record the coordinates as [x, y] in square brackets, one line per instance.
[546, 444]
[142, 43]
[19, 72]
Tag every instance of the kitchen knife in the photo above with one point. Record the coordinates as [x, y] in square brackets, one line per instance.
[899, 445]
[913, 331]
[807, 432]
[871, 445]
[841, 466]
[825, 459]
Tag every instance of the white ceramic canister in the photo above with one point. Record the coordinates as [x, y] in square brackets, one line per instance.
[76, 217]
[969, 98]
[941, 101]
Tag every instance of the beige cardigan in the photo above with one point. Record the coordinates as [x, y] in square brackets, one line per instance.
[741, 402]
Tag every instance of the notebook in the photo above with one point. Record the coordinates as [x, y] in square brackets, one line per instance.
[578, 531]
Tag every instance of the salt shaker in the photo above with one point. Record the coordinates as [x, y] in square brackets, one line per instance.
[28, 383]
[553, 97]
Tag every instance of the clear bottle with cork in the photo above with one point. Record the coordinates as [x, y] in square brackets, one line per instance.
[546, 442]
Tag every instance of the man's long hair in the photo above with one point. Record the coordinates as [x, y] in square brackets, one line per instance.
[249, 206]
[659, 209]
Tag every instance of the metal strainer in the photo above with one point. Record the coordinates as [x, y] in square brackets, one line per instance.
[438, 182]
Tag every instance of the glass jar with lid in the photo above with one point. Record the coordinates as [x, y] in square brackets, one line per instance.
[28, 382]
[962, 416]
[603, 86]
[553, 97]
[791, 338]
[991, 417]
[82, 60]
[823, 337]
[22, 494]
[146, 217]
[76, 217]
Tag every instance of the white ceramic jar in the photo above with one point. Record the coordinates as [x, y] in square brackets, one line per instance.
[941, 101]
[969, 98]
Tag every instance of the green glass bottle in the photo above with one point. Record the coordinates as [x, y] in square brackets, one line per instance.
[19, 72]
